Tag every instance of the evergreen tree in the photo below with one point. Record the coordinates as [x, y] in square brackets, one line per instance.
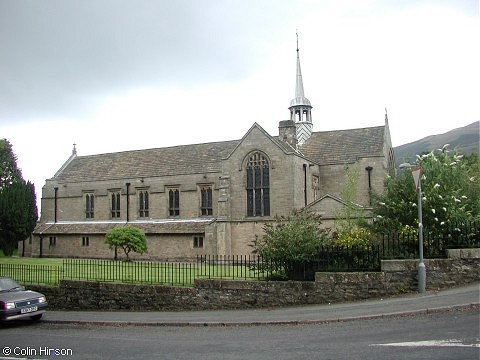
[9, 172]
[18, 214]
[18, 209]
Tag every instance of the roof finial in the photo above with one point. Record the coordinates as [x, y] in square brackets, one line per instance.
[296, 32]
[74, 151]
[386, 116]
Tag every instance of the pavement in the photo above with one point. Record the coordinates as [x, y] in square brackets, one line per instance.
[466, 297]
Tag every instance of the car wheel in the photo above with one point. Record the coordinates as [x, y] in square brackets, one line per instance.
[36, 317]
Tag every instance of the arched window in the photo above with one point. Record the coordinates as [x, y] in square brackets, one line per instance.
[258, 185]
[143, 203]
[115, 199]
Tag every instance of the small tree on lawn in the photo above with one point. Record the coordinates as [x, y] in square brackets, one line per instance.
[128, 238]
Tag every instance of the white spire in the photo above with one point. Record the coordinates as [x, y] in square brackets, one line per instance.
[299, 94]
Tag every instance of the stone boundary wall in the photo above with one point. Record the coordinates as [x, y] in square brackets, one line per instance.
[397, 277]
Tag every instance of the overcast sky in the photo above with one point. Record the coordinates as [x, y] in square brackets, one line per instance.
[112, 75]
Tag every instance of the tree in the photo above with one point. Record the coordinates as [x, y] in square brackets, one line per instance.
[346, 217]
[451, 193]
[350, 220]
[18, 209]
[9, 172]
[129, 238]
[18, 214]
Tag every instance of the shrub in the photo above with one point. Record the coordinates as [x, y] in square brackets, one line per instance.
[289, 242]
[356, 237]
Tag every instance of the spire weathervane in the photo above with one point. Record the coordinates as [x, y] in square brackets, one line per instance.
[297, 40]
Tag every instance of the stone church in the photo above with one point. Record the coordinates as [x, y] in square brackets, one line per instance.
[211, 198]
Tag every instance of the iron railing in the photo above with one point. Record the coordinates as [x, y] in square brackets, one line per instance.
[248, 267]
[32, 274]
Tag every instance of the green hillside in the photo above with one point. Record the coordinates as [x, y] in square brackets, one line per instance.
[465, 139]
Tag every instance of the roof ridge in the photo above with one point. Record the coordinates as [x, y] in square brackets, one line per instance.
[340, 130]
[158, 148]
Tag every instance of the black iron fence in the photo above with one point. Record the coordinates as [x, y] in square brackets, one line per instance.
[249, 267]
[435, 243]
[32, 274]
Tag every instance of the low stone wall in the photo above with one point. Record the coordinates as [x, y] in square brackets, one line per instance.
[397, 277]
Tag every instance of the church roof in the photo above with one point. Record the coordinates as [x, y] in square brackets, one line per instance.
[328, 147]
[344, 146]
[178, 160]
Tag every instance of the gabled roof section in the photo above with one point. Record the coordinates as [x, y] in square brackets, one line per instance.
[73, 156]
[329, 207]
[344, 146]
[281, 144]
[334, 199]
[177, 160]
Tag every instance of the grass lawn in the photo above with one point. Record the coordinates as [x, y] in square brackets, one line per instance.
[31, 270]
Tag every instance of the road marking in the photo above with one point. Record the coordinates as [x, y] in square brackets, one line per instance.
[431, 343]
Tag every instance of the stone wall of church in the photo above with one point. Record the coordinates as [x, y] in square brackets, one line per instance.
[332, 178]
[246, 233]
[71, 201]
[174, 247]
[69, 246]
[378, 174]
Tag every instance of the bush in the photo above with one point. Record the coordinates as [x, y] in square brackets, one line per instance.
[357, 237]
[290, 242]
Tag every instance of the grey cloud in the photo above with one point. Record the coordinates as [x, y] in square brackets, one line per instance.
[58, 56]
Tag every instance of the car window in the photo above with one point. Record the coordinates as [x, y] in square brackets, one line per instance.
[7, 284]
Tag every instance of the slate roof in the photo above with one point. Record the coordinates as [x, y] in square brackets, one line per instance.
[189, 226]
[328, 147]
[178, 160]
[344, 146]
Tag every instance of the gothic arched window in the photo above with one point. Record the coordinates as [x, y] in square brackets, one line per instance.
[143, 203]
[258, 185]
[115, 199]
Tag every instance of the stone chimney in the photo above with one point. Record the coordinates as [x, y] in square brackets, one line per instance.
[287, 131]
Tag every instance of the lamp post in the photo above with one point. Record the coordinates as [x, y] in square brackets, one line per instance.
[417, 175]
